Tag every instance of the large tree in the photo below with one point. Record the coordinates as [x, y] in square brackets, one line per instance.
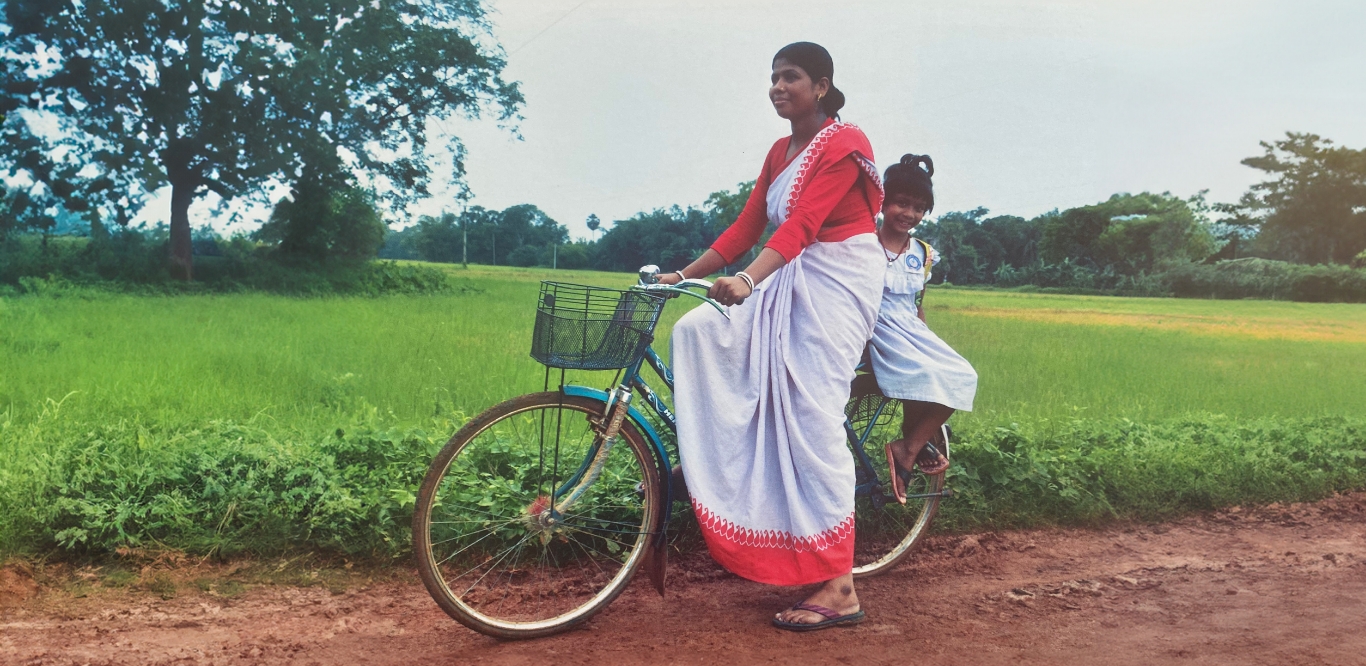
[119, 98]
[1313, 208]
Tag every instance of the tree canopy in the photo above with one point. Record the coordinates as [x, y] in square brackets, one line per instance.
[1313, 208]
[225, 95]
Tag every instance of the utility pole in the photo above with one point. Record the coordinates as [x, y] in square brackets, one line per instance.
[464, 241]
[554, 256]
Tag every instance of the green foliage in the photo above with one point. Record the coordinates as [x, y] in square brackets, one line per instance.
[223, 96]
[21, 211]
[1313, 210]
[219, 488]
[318, 224]
[521, 235]
[222, 436]
[1263, 278]
[669, 238]
[131, 260]
[226, 488]
[1091, 471]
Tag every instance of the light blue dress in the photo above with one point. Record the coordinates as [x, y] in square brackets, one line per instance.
[910, 361]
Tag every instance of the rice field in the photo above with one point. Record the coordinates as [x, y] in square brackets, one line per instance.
[291, 363]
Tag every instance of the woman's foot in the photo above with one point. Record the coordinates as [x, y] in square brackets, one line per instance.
[837, 595]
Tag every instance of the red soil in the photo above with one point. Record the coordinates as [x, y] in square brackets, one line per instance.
[1274, 585]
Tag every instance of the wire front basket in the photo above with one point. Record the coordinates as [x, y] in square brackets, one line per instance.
[592, 328]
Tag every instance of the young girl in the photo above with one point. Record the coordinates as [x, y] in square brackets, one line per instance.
[911, 363]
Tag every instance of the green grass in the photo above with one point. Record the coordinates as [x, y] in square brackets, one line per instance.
[222, 423]
[287, 362]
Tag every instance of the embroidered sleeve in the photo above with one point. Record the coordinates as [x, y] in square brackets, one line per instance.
[742, 234]
[827, 186]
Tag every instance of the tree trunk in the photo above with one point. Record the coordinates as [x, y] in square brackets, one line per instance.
[182, 256]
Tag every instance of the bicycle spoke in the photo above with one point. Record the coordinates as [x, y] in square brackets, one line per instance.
[498, 557]
[491, 566]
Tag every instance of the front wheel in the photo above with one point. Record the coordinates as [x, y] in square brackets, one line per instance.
[491, 545]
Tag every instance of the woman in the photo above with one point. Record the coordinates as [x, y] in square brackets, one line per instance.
[761, 396]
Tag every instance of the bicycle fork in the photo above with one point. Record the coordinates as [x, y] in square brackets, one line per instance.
[609, 425]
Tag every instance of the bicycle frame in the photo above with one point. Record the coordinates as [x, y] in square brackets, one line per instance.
[619, 408]
[867, 483]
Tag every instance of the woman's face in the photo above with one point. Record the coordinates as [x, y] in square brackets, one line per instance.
[904, 212]
[793, 93]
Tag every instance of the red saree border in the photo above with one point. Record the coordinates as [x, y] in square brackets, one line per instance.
[776, 557]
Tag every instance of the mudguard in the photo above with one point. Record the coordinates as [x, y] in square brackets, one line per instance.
[656, 560]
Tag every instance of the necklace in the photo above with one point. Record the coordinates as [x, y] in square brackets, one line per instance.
[893, 257]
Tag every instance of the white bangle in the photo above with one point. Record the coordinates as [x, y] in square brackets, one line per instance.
[681, 276]
[748, 280]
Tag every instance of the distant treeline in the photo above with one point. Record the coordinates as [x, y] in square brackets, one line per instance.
[1300, 235]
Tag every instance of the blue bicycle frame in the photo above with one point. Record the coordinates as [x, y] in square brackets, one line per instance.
[867, 483]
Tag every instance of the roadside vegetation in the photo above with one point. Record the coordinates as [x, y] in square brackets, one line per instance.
[271, 424]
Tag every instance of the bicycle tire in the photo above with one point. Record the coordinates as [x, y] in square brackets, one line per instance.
[884, 536]
[564, 583]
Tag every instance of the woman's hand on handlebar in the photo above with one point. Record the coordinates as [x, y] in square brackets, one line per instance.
[669, 278]
[728, 290]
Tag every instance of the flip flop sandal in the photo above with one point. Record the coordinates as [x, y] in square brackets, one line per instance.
[832, 619]
[930, 460]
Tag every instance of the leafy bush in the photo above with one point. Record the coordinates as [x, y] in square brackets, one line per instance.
[223, 488]
[1263, 278]
[319, 224]
[133, 260]
[1088, 472]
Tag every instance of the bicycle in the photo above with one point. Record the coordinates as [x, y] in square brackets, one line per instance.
[538, 512]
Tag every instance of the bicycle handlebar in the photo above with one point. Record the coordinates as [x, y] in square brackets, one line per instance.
[649, 282]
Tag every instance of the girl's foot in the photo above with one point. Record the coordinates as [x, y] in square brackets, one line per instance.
[836, 595]
[904, 450]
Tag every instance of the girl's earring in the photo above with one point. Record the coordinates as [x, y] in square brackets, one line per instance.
[820, 97]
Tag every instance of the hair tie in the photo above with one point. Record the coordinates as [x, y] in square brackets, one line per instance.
[922, 162]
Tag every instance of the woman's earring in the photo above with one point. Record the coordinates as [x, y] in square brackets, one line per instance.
[820, 97]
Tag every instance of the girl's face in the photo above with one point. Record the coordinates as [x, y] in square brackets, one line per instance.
[904, 212]
[793, 93]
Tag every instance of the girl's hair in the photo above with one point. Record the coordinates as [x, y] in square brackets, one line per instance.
[912, 175]
[816, 62]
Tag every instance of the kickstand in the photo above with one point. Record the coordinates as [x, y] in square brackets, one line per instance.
[656, 563]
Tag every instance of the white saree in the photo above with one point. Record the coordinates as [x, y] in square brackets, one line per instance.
[760, 401]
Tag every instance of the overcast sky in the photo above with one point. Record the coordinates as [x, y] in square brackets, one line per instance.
[1025, 105]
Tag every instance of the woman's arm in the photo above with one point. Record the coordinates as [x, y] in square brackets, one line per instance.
[729, 290]
[732, 290]
[710, 262]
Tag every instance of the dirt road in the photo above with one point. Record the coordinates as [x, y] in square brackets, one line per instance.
[1274, 585]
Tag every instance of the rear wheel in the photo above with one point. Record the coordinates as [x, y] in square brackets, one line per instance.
[885, 531]
[490, 547]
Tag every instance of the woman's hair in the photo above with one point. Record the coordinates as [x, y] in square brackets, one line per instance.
[816, 62]
[912, 175]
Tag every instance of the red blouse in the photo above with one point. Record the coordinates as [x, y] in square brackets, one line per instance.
[832, 208]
